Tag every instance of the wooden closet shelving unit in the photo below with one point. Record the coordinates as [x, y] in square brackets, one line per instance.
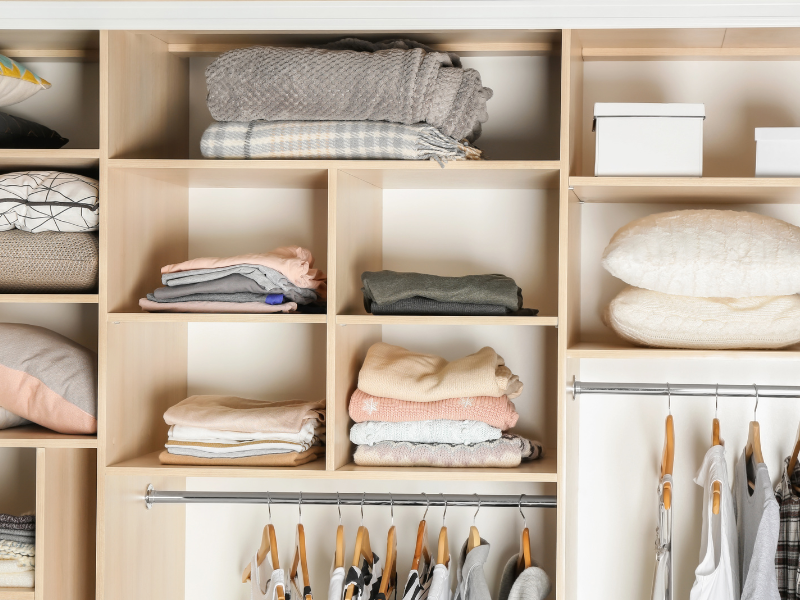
[147, 168]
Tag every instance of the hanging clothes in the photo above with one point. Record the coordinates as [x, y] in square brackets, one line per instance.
[365, 579]
[663, 578]
[300, 591]
[471, 579]
[531, 584]
[717, 576]
[787, 558]
[264, 580]
[419, 581]
[336, 583]
[758, 527]
[440, 583]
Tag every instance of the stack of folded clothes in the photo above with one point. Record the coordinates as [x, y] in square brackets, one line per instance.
[420, 410]
[278, 281]
[351, 99]
[226, 430]
[391, 293]
[17, 550]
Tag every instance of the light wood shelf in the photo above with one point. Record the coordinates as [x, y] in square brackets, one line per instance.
[50, 298]
[691, 54]
[213, 318]
[435, 320]
[17, 593]
[620, 351]
[35, 436]
[62, 158]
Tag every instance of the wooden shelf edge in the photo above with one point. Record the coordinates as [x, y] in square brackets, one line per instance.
[214, 318]
[601, 351]
[35, 436]
[400, 165]
[87, 153]
[50, 298]
[17, 593]
[592, 54]
[437, 320]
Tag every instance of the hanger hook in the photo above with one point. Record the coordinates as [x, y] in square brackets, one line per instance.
[475, 516]
[391, 507]
[269, 506]
[427, 506]
[444, 514]
[755, 408]
[669, 399]
[716, 400]
[300, 509]
[363, 494]
[339, 507]
[524, 520]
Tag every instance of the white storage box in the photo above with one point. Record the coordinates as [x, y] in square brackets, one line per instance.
[777, 151]
[648, 140]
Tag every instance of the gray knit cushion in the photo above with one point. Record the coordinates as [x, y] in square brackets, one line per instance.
[314, 84]
[48, 262]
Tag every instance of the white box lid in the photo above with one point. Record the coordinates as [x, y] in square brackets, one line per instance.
[777, 133]
[648, 109]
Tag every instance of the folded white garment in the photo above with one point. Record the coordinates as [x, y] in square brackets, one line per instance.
[261, 447]
[24, 579]
[186, 433]
[10, 565]
[439, 431]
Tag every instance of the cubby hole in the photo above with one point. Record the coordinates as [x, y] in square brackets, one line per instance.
[153, 366]
[69, 61]
[521, 67]
[165, 216]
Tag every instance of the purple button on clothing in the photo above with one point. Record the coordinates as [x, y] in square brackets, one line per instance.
[274, 299]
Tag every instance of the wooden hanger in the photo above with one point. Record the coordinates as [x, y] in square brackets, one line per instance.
[362, 549]
[389, 578]
[443, 547]
[338, 560]
[668, 459]
[474, 539]
[716, 487]
[793, 460]
[421, 547]
[524, 557]
[269, 544]
[300, 559]
[753, 448]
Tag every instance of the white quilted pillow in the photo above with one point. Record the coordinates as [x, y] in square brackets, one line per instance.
[707, 253]
[666, 321]
[38, 201]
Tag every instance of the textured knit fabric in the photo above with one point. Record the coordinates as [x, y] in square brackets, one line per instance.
[11, 537]
[269, 280]
[24, 579]
[663, 579]
[38, 201]
[787, 558]
[394, 372]
[27, 520]
[48, 262]
[294, 262]
[309, 429]
[15, 550]
[667, 321]
[508, 451]
[28, 533]
[217, 307]
[8, 565]
[758, 528]
[531, 584]
[471, 578]
[717, 575]
[239, 298]
[332, 140]
[423, 432]
[230, 413]
[386, 287]
[284, 459]
[230, 284]
[424, 306]
[9, 420]
[310, 84]
[497, 412]
[707, 253]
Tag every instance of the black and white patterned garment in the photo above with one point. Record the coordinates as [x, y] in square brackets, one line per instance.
[365, 579]
[419, 581]
[36, 201]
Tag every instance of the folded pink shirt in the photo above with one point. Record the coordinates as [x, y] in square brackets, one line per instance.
[293, 261]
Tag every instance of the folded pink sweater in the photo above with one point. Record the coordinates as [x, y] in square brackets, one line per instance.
[498, 412]
[293, 261]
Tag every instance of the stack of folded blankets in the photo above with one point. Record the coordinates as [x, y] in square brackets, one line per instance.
[351, 99]
[47, 239]
[279, 281]
[706, 279]
[226, 430]
[392, 293]
[420, 410]
[17, 550]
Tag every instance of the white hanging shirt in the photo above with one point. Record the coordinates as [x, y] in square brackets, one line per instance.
[440, 584]
[717, 577]
[336, 585]
[264, 580]
[662, 580]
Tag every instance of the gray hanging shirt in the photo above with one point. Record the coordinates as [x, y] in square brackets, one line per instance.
[471, 579]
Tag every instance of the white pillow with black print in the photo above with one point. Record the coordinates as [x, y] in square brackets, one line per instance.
[38, 201]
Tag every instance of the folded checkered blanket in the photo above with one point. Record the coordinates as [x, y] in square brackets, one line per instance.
[332, 140]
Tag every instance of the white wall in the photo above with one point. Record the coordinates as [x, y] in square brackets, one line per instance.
[17, 480]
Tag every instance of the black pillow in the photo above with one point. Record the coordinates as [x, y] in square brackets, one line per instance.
[19, 133]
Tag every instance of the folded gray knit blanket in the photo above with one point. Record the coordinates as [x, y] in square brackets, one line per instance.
[425, 306]
[350, 80]
[386, 287]
[332, 140]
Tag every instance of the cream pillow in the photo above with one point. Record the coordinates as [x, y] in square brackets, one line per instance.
[662, 320]
[707, 253]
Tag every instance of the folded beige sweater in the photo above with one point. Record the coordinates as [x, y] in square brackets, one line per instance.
[230, 413]
[394, 372]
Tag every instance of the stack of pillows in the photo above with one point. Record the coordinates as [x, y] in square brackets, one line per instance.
[18, 83]
[419, 410]
[17, 551]
[48, 242]
[279, 281]
[706, 279]
[351, 99]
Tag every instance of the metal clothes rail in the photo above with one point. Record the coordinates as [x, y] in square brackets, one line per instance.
[685, 389]
[153, 496]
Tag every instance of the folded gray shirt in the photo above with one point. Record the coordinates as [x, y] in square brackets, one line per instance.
[232, 284]
[243, 297]
[386, 287]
